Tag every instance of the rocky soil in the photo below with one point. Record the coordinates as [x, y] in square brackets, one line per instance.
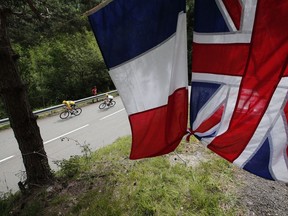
[262, 197]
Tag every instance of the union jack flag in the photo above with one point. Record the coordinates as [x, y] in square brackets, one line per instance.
[239, 105]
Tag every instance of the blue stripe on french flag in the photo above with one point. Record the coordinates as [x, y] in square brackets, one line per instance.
[144, 45]
[125, 29]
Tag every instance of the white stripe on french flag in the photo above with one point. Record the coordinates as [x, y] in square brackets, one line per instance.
[144, 45]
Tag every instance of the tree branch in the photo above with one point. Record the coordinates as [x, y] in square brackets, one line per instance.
[33, 8]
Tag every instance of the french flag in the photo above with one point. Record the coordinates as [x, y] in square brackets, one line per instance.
[144, 46]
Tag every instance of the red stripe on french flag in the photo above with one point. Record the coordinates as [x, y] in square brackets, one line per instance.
[159, 131]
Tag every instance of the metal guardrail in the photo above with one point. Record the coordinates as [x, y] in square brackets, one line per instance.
[5, 120]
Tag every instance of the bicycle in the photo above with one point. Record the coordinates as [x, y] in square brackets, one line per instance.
[104, 104]
[75, 111]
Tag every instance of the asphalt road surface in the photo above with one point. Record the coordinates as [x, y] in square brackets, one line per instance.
[94, 127]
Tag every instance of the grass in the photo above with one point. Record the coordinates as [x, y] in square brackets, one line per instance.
[106, 182]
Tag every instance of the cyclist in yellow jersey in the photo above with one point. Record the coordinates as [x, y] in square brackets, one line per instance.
[69, 104]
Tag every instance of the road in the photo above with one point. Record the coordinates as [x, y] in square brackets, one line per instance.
[94, 127]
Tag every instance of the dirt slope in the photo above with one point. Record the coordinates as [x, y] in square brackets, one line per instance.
[262, 197]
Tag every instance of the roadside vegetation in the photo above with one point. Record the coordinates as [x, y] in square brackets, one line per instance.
[190, 181]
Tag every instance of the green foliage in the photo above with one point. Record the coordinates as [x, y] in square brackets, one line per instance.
[58, 200]
[64, 68]
[34, 208]
[72, 167]
[58, 17]
[69, 168]
[2, 111]
[7, 201]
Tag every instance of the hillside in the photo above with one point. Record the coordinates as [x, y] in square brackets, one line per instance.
[190, 181]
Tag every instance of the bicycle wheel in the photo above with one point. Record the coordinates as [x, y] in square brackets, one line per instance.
[102, 105]
[77, 111]
[112, 103]
[64, 114]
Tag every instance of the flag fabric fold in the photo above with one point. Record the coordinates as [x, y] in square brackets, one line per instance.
[240, 84]
[143, 44]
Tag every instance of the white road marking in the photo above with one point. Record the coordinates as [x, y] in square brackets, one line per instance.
[66, 134]
[7, 158]
[112, 114]
[49, 141]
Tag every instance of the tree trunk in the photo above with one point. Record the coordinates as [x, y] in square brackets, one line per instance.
[22, 120]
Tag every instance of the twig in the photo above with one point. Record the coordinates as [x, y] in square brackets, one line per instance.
[98, 7]
[33, 8]
[180, 158]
